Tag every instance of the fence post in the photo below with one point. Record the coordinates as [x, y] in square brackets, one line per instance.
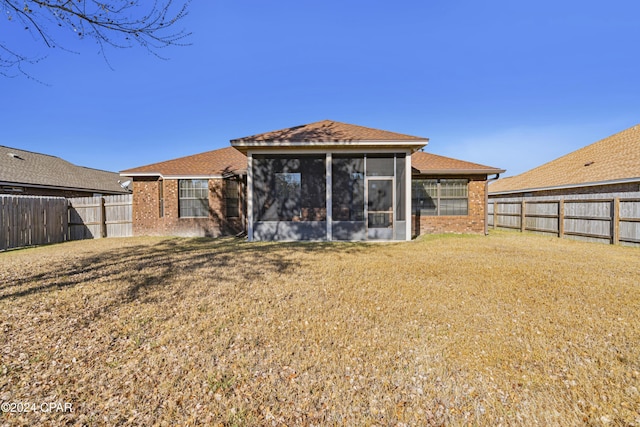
[102, 218]
[615, 221]
[561, 218]
[495, 214]
[523, 219]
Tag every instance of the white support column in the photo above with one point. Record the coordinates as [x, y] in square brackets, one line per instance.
[407, 193]
[329, 196]
[250, 196]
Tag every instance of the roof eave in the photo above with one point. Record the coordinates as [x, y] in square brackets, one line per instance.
[59, 187]
[238, 172]
[245, 146]
[568, 186]
[459, 171]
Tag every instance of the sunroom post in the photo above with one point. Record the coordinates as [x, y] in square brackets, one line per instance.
[250, 197]
[329, 196]
[407, 192]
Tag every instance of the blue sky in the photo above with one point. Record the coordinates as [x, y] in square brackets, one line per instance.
[503, 83]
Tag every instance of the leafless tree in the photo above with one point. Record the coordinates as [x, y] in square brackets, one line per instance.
[111, 23]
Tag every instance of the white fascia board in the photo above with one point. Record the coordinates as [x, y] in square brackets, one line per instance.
[334, 150]
[275, 145]
[566, 187]
[459, 172]
[133, 175]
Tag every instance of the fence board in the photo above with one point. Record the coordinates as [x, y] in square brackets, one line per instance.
[34, 220]
[97, 217]
[119, 216]
[31, 220]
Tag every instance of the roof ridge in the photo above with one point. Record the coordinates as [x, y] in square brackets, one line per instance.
[35, 152]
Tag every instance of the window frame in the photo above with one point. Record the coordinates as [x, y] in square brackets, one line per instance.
[441, 194]
[183, 198]
[231, 192]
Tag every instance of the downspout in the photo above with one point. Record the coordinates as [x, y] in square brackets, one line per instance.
[486, 203]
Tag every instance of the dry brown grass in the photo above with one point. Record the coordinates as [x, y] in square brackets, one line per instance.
[510, 329]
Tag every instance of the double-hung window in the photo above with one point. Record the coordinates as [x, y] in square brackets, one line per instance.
[193, 198]
[231, 198]
[440, 197]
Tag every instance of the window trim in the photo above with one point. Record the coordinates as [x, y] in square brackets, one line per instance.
[232, 196]
[181, 198]
[439, 197]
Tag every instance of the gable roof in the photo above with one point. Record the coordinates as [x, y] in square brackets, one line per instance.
[208, 164]
[326, 132]
[26, 168]
[610, 160]
[427, 163]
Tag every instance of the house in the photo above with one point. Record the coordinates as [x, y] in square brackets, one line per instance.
[321, 181]
[35, 174]
[607, 168]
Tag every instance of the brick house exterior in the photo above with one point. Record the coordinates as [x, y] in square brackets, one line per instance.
[155, 216]
[156, 195]
[475, 222]
[321, 200]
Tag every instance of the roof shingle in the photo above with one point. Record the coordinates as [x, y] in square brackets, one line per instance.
[616, 157]
[433, 163]
[327, 131]
[210, 163]
[36, 169]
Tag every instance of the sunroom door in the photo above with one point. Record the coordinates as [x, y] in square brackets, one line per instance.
[380, 208]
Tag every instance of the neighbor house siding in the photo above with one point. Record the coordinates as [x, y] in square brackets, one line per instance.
[604, 190]
[473, 222]
[146, 211]
[48, 192]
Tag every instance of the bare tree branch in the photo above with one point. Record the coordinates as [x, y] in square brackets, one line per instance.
[115, 23]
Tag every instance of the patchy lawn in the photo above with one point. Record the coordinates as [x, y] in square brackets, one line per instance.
[509, 329]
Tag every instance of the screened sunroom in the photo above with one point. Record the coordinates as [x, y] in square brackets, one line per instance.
[329, 196]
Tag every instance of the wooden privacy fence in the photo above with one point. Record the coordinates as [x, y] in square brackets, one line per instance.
[31, 220]
[615, 220]
[97, 217]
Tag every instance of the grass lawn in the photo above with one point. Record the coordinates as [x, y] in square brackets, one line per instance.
[508, 329]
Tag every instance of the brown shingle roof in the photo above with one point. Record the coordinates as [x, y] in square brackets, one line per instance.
[433, 163]
[210, 163]
[327, 131]
[37, 169]
[614, 158]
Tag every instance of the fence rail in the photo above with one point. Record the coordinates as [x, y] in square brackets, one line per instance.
[33, 220]
[611, 220]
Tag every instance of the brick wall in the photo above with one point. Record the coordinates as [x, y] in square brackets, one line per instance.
[147, 220]
[146, 211]
[471, 223]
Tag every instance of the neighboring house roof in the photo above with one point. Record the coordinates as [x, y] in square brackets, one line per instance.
[326, 132]
[611, 160]
[427, 163]
[29, 169]
[213, 163]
